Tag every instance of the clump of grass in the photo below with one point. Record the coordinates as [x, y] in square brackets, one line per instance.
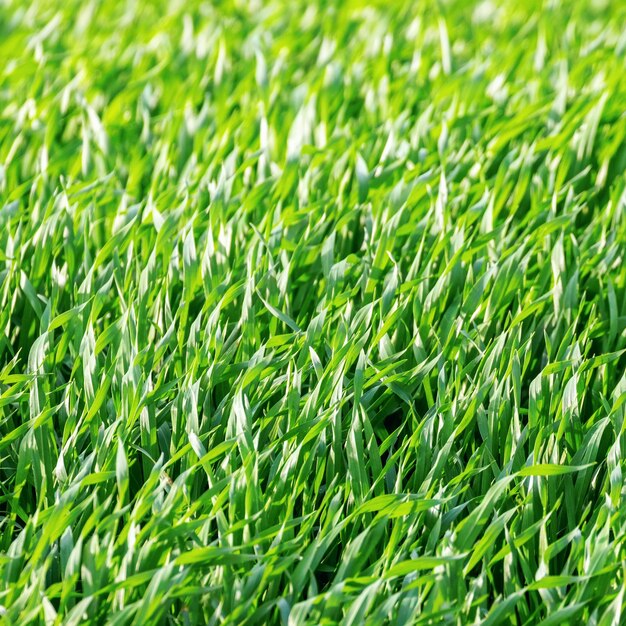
[312, 312]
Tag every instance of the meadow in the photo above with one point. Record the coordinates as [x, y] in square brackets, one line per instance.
[312, 312]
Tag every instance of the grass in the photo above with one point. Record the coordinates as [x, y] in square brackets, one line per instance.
[312, 313]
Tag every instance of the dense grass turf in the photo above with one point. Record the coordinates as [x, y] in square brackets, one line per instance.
[312, 312]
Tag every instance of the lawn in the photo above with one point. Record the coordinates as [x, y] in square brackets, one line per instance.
[312, 312]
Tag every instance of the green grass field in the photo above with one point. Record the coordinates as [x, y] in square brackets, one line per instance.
[312, 312]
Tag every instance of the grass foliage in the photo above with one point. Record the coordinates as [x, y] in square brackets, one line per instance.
[312, 312]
